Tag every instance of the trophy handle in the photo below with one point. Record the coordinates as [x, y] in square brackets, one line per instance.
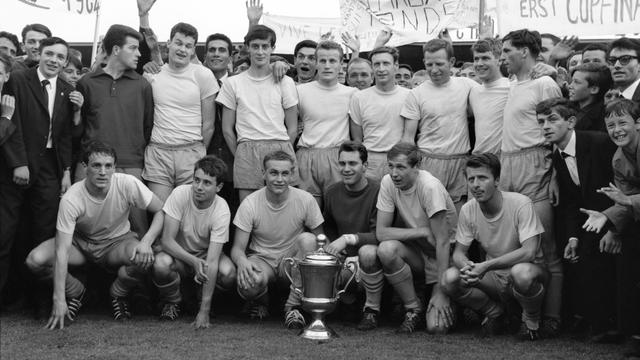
[291, 262]
[353, 265]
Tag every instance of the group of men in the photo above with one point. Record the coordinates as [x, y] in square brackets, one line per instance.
[392, 175]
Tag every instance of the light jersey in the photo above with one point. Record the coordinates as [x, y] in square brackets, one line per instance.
[378, 113]
[259, 104]
[441, 112]
[325, 114]
[273, 229]
[198, 227]
[419, 203]
[102, 219]
[516, 222]
[177, 96]
[520, 129]
[487, 102]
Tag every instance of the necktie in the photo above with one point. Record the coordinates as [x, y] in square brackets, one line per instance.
[570, 161]
[45, 92]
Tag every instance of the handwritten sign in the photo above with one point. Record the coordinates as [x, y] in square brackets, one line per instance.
[573, 17]
[79, 7]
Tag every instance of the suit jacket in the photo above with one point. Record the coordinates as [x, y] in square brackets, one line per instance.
[594, 151]
[31, 119]
[636, 95]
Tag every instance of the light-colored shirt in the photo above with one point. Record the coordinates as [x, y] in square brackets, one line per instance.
[51, 98]
[631, 89]
[441, 112]
[102, 219]
[198, 227]
[504, 233]
[488, 102]
[325, 114]
[378, 113]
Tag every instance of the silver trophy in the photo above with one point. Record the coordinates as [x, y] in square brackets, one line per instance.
[319, 274]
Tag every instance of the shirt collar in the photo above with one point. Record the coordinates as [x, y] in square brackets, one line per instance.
[41, 77]
[129, 73]
[628, 92]
[224, 78]
[570, 149]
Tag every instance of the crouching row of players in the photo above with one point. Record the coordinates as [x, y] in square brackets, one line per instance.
[400, 228]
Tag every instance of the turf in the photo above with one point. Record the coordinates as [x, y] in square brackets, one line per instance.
[96, 336]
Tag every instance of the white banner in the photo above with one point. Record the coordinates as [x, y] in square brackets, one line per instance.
[291, 30]
[570, 17]
[74, 7]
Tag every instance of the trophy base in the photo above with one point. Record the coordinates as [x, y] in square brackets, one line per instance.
[317, 330]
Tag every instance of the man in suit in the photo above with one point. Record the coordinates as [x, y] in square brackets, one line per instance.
[624, 63]
[36, 158]
[582, 163]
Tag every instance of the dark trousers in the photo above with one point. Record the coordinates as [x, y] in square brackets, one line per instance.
[41, 200]
[629, 282]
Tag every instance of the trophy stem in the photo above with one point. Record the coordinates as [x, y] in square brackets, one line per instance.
[317, 329]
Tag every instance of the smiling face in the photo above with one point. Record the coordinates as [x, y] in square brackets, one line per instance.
[359, 75]
[384, 68]
[181, 48]
[487, 66]
[277, 176]
[31, 45]
[438, 66]
[305, 63]
[71, 74]
[352, 169]
[403, 77]
[53, 59]
[481, 183]
[217, 57]
[622, 129]
[328, 62]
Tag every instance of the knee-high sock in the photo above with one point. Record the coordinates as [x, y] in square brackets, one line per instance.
[169, 291]
[294, 299]
[478, 300]
[553, 298]
[72, 286]
[128, 278]
[402, 282]
[373, 284]
[531, 306]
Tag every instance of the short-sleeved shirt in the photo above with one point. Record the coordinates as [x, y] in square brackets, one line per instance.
[419, 203]
[441, 112]
[273, 229]
[259, 104]
[178, 95]
[325, 114]
[378, 113]
[520, 128]
[487, 102]
[102, 219]
[198, 227]
[516, 222]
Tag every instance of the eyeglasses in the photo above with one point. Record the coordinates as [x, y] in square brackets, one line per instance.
[624, 59]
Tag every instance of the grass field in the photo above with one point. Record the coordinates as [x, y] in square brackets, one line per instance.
[96, 336]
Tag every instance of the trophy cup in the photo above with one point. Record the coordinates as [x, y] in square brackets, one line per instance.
[319, 273]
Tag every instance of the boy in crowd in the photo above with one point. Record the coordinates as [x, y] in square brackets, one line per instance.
[589, 84]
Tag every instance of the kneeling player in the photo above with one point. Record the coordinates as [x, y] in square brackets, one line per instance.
[508, 229]
[93, 226]
[274, 219]
[196, 226]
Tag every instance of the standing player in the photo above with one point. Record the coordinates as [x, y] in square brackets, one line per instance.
[359, 73]
[93, 226]
[259, 115]
[437, 110]
[525, 160]
[196, 226]
[324, 112]
[506, 226]
[350, 222]
[272, 222]
[375, 111]
[184, 99]
[429, 218]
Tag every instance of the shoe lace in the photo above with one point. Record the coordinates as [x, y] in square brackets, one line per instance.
[410, 321]
[170, 311]
[120, 308]
[74, 305]
[294, 317]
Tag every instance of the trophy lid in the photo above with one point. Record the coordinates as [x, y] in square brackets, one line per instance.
[321, 258]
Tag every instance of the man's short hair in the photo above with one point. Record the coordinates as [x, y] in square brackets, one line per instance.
[406, 66]
[562, 106]
[223, 37]
[14, 40]
[305, 44]
[261, 32]
[37, 28]
[330, 45]
[625, 43]
[7, 62]
[434, 45]
[410, 150]
[485, 160]
[211, 165]
[595, 47]
[242, 60]
[117, 36]
[75, 62]
[184, 29]
[278, 155]
[622, 107]
[466, 65]
[597, 75]
[351, 146]
[554, 39]
[525, 38]
[53, 41]
[98, 147]
[386, 50]
[491, 45]
[359, 60]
